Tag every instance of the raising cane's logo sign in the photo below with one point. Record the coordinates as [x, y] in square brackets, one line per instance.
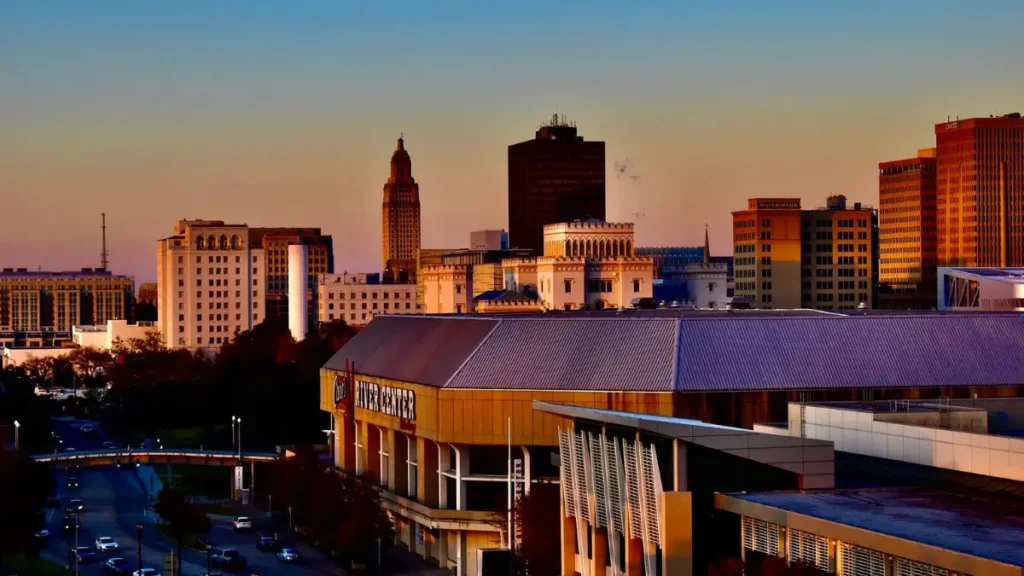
[340, 391]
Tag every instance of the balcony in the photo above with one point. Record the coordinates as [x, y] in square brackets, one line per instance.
[440, 518]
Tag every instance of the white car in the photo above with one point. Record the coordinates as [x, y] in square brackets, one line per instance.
[105, 543]
[288, 555]
[146, 572]
[243, 523]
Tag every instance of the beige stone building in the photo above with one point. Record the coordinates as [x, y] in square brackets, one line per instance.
[357, 298]
[210, 284]
[586, 265]
[53, 302]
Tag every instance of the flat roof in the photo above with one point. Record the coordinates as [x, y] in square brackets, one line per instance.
[892, 406]
[990, 529]
[1012, 275]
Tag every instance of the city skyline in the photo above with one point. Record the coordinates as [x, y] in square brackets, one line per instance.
[284, 116]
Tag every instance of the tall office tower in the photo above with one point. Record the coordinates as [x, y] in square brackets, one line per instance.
[210, 284]
[400, 214]
[839, 252]
[980, 191]
[766, 252]
[40, 301]
[275, 242]
[907, 233]
[556, 177]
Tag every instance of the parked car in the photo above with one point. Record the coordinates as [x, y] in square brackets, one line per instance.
[83, 555]
[243, 523]
[267, 543]
[118, 566]
[105, 544]
[288, 555]
[227, 558]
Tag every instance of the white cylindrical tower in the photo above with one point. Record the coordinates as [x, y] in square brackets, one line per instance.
[298, 286]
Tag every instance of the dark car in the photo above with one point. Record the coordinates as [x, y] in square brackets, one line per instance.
[227, 558]
[72, 482]
[267, 543]
[118, 566]
[69, 522]
[84, 555]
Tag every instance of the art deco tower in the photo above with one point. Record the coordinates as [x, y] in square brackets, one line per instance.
[400, 215]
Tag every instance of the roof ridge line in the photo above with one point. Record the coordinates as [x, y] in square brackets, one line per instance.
[476, 349]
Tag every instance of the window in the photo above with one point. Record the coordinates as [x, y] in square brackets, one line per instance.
[199, 317]
[568, 286]
[458, 288]
[181, 317]
[181, 282]
[255, 316]
[636, 285]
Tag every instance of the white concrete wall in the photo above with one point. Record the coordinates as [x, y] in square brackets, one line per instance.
[860, 433]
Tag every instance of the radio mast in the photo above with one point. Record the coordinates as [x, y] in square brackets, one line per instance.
[103, 255]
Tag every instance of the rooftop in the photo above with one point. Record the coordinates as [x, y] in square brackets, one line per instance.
[690, 350]
[885, 406]
[1013, 275]
[991, 529]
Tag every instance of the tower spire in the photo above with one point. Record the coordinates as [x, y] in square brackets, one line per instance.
[707, 246]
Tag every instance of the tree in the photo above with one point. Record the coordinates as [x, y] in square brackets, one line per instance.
[91, 364]
[181, 514]
[24, 487]
[537, 514]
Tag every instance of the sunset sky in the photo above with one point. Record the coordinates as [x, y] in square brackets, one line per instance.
[286, 113]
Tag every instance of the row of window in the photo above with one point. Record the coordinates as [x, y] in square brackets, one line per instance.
[352, 295]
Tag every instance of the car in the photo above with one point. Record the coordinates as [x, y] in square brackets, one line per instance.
[72, 482]
[83, 555]
[87, 429]
[69, 522]
[267, 543]
[227, 558]
[76, 505]
[108, 445]
[288, 555]
[69, 449]
[118, 566]
[105, 543]
[42, 534]
[243, 523]
[146, 572]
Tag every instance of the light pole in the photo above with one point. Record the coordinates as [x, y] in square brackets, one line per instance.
[138, 556]
[239, 441]
[291, 527]
[270, 505]
[17, 426]
[233, 419]
[76, 543]
[209, 566]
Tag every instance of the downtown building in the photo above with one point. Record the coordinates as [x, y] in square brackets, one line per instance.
[356, 298]
[427, 407]
[908, 237]
[980, 192]
[556, 177]
[39, 309]
[214, 279]
[400, 219]
[785, 257]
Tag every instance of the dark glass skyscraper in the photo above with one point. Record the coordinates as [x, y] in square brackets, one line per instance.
[556, 177]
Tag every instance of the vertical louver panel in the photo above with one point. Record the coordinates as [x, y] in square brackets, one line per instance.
[651, 479]
[565, 473]
[598, 480]
[906, 567]
[580, 476]
[615, 481]
[809, 549]
[760, 536]
[860, 561]
[636, 529]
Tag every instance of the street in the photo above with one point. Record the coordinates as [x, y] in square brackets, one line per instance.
[115, 502]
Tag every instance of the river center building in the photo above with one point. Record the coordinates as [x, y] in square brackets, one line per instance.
[427, 406]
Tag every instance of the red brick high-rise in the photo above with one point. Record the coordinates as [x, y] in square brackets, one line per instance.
[980, 191]
[907, 231]
[400, 215]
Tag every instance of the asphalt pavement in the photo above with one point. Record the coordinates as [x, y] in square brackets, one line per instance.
[115, 502]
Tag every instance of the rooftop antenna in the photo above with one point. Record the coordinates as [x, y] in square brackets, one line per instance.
[103, 255]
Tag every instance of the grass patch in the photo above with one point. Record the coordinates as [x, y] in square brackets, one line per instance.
[23, 565]
[191, 437]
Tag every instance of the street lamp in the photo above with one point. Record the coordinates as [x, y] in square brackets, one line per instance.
[239, 440]
[233, 420]
[138, 557]
[17, 426]
[270, 505]
[209, 566]
[76, 543]
[291, 527]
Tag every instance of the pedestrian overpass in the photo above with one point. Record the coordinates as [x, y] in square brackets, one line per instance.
[118, 456]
